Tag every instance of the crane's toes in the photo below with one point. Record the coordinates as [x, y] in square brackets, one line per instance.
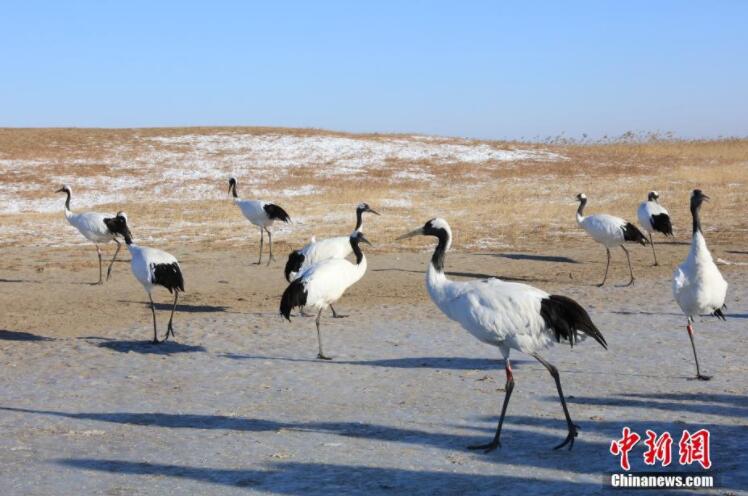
[573, 433]
[631, 283]
[600, 285]
[487, 448]
[702, 377]
[339, 316]
[323, 357]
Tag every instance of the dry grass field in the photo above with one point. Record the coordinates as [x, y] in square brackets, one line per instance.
[172, 183]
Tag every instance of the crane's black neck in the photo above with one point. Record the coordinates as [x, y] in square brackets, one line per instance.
[233, 190]
[356, 250]
[695, 208]
[67, 201]
[128, 239]
[437, 259]
[359, 218]
[582, 204]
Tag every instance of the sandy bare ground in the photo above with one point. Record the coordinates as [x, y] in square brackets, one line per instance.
[239, 404]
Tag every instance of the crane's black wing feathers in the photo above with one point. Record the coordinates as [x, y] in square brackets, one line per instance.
[661, 223]
[632, 233]
[168, 275]
[294, 296]
[566, 317]
[276, 213]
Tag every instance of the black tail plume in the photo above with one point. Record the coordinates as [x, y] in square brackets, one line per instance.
[632, 233]
[661, 223]
[566, 317]
[276, 213]
[168, 275]
[294, 296]
[294, 263]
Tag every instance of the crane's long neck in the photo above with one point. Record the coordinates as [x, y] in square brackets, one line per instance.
[435, 277]
[359, 219]
[357, 251]
[699, 252]
[580, 210]
[696, 218]
[233, 191]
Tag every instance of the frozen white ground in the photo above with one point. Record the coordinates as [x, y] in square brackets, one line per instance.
[179, 168]
[239, 405]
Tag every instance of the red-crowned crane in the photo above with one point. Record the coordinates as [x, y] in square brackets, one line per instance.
[152, 268]
[324, 283]
[654, 218]
[93, 227]
[610, 232]
[508, 315]
[260, 213]
[698, 285]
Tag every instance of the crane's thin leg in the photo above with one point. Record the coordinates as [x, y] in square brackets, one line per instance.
[336, 315]
[321, 354]
[98, 252]
[270, 243]
[699, 376]
[262, 237]
[628, 259]
[170, 328]
[495, 443]
[153, 311]
[653, 249]
[572, 428]
[607, 265]
[116, 252]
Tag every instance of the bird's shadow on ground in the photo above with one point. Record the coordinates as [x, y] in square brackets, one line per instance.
[700, 404]
[21, 336]
[145, 347]
[447, 363]
[527, 445]
[531, 257]
[23, 281]
[181, 307]
[296, 478]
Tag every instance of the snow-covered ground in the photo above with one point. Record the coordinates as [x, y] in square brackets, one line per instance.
[196, 166]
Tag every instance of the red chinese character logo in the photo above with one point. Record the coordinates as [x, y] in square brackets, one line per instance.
[695, 448]
[624, 445]
[658, 448]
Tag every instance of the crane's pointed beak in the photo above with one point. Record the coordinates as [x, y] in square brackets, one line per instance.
[706, 198]
[415, 232]
[61, 190]
[373, 211]
[364, 240]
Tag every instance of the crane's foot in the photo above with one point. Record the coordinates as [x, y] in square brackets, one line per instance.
[702, 377]
[630, 283]
[339, 316]
[486, 448]
[156, 341]
[573, 432]
[323, 357]
[601, 284]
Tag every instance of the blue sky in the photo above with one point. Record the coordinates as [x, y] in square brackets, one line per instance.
[478, 69]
